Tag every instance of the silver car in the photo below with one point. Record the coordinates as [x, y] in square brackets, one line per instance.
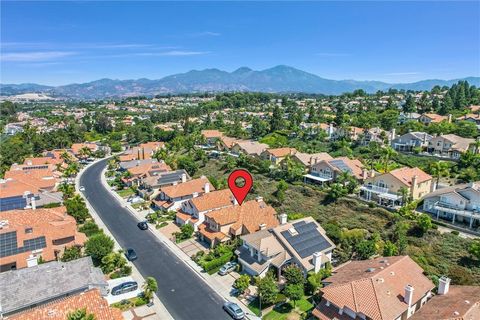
[233, 310]
[227, 268]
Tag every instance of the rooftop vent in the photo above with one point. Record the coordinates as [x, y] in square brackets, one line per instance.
[293, 231]
[370, 269]
[392, 273]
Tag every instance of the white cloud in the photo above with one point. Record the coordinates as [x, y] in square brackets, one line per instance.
[34, 56]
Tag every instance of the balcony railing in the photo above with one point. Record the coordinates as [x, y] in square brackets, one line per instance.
[452, 208]
[375, 189]
[322, 175]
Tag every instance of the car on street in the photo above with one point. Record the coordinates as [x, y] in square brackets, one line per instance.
[124, 288]
[142, 225]
[227, 268]
[233, 310]
[131, 254]
[82, 188]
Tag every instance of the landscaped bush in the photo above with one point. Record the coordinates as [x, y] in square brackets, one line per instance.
[215, 263]
[90, 228]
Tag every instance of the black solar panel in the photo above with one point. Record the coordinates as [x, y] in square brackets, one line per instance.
[9, 245]
[308, 240]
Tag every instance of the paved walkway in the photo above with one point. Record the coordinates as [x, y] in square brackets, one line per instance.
[223, 288]
[158, 307]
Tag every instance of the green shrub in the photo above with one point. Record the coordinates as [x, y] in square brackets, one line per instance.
[212, 264]
[455, 232]
[161, 225]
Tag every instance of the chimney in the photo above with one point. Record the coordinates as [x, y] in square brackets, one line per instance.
[317, 261]
[311, 161]
[33, 203]
[364, 174]
[143, 153]
[414, 183]
[262, 226]
[184, 177]
[372, 173]
[316, 159]
[234, 201]
[206, 188]
[449, 118]
[443, 285]
[393, 133]
[408, 297]
[283, 218]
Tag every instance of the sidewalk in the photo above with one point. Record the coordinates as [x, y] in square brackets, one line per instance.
[158, 307]
[221, 289]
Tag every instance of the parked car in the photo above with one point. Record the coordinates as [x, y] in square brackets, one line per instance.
[227, 268]
[82, 188]
[124, 288]
[131, 254]
[233, 310]
[142, 225]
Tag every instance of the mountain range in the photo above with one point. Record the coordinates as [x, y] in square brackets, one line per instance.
[277, 79]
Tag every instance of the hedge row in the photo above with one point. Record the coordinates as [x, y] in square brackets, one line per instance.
[212, 264]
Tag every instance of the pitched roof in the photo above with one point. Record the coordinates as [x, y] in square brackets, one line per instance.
[459, 143]
[42, 160]
[32, 286]
[250, 215]
[310, 158]
[76, 147]
[376, 287]
[460, 303]
[211, 134]
[355, 166]
[213, 200]
[228, 141]
[405, 175]
[454, 189]
[281, 152]
[187, 188]
[145, 168]
[252, 147]
[90, 300]
[435, 117]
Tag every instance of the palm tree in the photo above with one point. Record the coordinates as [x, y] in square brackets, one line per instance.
[476, 146]
[439, 169]
[85, 152]
[150, 287]
[387, 154]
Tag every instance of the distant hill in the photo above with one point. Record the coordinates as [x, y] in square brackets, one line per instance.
[277, 79]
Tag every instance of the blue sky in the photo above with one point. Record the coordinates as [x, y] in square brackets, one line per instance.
[63, 42]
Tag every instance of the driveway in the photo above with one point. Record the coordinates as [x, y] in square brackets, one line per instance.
[183, 292]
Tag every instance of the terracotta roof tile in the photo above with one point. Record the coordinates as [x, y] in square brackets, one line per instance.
[91, 300]
[213, 200]
[211, 134]
[281, 152]
[405, 175]
[187, 188]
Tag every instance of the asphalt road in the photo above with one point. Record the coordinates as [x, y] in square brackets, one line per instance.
[183, 293]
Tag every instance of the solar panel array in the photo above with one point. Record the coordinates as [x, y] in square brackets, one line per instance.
[308, 240]
[9, 245]
[340, 164]
[12, 203]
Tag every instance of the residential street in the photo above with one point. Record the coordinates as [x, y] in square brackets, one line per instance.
[184, 294]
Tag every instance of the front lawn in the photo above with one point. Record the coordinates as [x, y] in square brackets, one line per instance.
[125, 193]
[287, 310]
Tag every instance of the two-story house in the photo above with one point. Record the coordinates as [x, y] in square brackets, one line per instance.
[392, 288]
[451, 303]
[277, 155]
[411, 140]
[193, 211]
[428, 118]
[301, 242]
[309, 159]
[211, 136]
[249, 148]
[233, 221]
[142, 152]
[390, 189]
[172, 197]
[459, 203]
[28, 234]
[450, 145]
[328, 170]
[144, 170]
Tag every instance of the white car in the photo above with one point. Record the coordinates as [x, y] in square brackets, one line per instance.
[82, 188]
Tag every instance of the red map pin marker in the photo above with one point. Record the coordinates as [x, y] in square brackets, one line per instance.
[240, 193]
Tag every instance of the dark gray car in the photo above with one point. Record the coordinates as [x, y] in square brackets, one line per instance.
[124, 288]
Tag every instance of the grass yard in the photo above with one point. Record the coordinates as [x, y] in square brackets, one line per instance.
[125, 193]
[288, 311]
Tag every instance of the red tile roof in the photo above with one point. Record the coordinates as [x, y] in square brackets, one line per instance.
[405, 175]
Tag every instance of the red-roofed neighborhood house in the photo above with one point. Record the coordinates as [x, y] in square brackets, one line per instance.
[392, 288]
[390, 189]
